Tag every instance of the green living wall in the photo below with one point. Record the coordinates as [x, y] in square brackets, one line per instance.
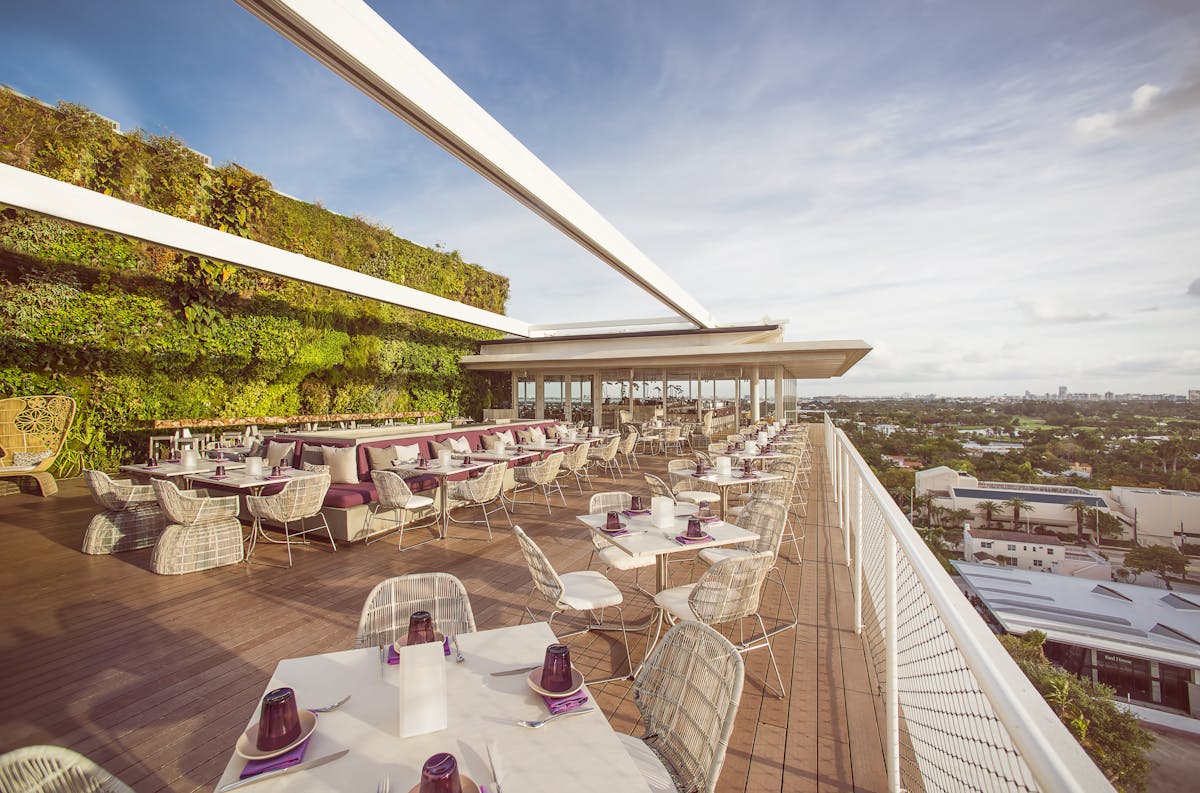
[137, 332]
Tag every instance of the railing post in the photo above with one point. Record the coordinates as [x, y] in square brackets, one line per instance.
[851, 519]
[858, 546]
[892, 701]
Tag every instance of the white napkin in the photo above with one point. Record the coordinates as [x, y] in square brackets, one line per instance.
[422, 689]
[662, 511]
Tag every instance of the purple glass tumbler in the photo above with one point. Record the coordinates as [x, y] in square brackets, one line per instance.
[556, 670]
[704, 510]
[693, 530]
[420, 628]
[279, 724]
[440, 774]
[612, 522]
[636, 504]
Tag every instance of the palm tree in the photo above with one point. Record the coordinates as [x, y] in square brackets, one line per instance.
[1081, 510]
[987, 508]
[1017, 504]
[925, 502]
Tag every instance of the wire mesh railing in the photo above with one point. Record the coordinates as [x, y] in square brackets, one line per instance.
[960, 714]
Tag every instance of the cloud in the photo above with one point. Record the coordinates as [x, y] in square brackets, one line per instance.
[1148, 104]
[1193, 289]
[1047, 311]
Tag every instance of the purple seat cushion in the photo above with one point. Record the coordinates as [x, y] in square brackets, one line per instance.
[343, 496]
[421, 482]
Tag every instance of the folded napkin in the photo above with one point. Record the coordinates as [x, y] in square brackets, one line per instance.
[558, 705]
[633, 513]
[287, 759]
[620, 533]
[394, 657]
[682, 540]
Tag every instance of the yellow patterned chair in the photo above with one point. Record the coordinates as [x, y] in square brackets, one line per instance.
[32, 432]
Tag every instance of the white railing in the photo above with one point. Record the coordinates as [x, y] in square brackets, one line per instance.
[960, 715]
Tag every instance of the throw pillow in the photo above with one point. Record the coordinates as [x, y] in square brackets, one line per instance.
[316, 469]
[22, 459]
[343, 464]
[407, 453]
[460, 445]
[525, 436]
[509, 440]
[277, 452]
[537, 436]
[312, 453]
[439, 446]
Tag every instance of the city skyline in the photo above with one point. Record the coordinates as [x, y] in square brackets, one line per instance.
[997, 199]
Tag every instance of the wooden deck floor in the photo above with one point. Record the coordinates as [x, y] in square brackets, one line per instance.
[153, 677]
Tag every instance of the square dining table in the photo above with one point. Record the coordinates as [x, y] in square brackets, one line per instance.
[443, 473]
[177, 472]
[735, 478]
[578, 753]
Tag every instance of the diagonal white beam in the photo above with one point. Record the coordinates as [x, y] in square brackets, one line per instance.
[46, 196]
[358, 44]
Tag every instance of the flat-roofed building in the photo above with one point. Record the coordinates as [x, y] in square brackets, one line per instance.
[1045, 505]
[1144, 642]
[1040, 553]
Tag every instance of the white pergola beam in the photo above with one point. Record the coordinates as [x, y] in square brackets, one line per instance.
[358, 44]
[46, 196]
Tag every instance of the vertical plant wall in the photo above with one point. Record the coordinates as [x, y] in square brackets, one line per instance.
[137, 332]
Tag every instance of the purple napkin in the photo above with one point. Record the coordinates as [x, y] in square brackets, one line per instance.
[285, 760]
[620, 533]
[682, 540]
[558, 705]
[394, 657]
[633, 513]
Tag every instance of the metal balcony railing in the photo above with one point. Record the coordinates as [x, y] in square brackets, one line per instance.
[960, 714]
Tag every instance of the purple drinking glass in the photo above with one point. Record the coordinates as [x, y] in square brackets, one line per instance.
[440, 774]
[699, 466]
[705, 511]
[220, 470]
[466, 459]
[556, 669]
[748, 466]
[279, 724]
[693, 530]
[635, 504]
[152, 462]
[420, 628]
[612, 523]
[276, 470]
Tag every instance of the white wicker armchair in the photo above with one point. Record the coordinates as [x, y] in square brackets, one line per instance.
[672, 439]
[611, 556]
[687, 692]
[688, 488]
[542, 475]
[604, 456]
[203, 532]
[131, 518]
[385, 614]
[575, 464]
[628, 449]
[393, 495]
[299, 500]
[53, 769]
[482, 491]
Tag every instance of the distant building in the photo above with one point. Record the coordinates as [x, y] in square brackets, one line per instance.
[1194, 395]
[901, 461]
[885, 429]
[1040, 553]
[1144, 642]
[1062, 392]
[1046, 505]
[1163, 517]
[972, 447]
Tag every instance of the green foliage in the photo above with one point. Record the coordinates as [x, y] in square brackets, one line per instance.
[1161, 560]
[136, 332]
[1112, 737]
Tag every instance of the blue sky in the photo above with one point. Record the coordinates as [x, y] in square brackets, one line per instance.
[997, 196]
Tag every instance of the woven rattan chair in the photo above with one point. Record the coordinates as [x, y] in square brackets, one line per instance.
[32, 432]
[300, 500]
[658, 487]
[575, 463]
[585, 590]
[628, 449]
[672, 440]
[610, 555]
[542, 476]
[727, 592]
[393, 495]
[483, 492]
[53, 769]
[385, 614]
[131, 518]
[688, 488]
[202, 532]
[604, 456]
[687, 692]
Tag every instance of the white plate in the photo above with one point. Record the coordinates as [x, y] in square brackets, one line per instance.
[400, 643]
[247, 744]
[468, 785]
[535, 682]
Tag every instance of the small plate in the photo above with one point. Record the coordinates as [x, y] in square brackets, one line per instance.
[535, 682]
[437, 637]
[468, 785]
[620, 527]
[219, 476]
[247, 744]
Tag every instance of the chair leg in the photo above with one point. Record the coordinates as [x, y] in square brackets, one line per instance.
[778, 675]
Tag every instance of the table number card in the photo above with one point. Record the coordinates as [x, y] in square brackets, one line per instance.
[422, 689]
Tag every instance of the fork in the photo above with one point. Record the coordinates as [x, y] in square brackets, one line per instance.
[332, 707]
[536, 724]
[385, 785]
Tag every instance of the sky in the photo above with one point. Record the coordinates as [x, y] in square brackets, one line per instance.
[998, 197]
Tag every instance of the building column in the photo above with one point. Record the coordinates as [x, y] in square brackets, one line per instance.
[597, 400]
[737, 403]
[539, 396]
[699, 399]
[513, 403]
[755, 396]
[630, 405]
[664, 395]
[567, 403]
[779, 393]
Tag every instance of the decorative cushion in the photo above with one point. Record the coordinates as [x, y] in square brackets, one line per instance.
[491, 442]
[525, 436]
[407, 453]
[345, 496]
[460, 445]
[439, 446]
[29, 458]
[278, 452]
[380, 458]
[255, 449]
[343, 464]
[507, 435]
[536, 436]
[314, 454]
[317, 469]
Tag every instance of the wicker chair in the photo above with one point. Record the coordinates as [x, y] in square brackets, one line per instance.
[605, 456]
[575, 463]
[672, 438]
[481, 492]
[688, 488]
[131, 518]
[385, 614]
[658, 487]
[32, 432]
[541, 475]
[299, 500]
[611, 556]
[628, 449]
[53, 769]
[687, 692]
[204, 532]
[585, 590]
[729, 591]
[395, 496]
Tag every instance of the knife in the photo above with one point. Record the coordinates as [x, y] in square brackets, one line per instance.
[329, 758]
[492, 751]
[507, 672]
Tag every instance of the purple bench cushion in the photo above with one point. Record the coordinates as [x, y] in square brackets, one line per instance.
[344, 496]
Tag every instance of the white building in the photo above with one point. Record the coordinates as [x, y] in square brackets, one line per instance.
[1043, 553]
[1163, 517]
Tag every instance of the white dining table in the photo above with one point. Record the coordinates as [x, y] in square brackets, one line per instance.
[734, 478]
[579, 753]
[443, 474]
[173, 471]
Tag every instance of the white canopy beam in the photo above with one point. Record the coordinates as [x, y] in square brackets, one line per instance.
[358, 44]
